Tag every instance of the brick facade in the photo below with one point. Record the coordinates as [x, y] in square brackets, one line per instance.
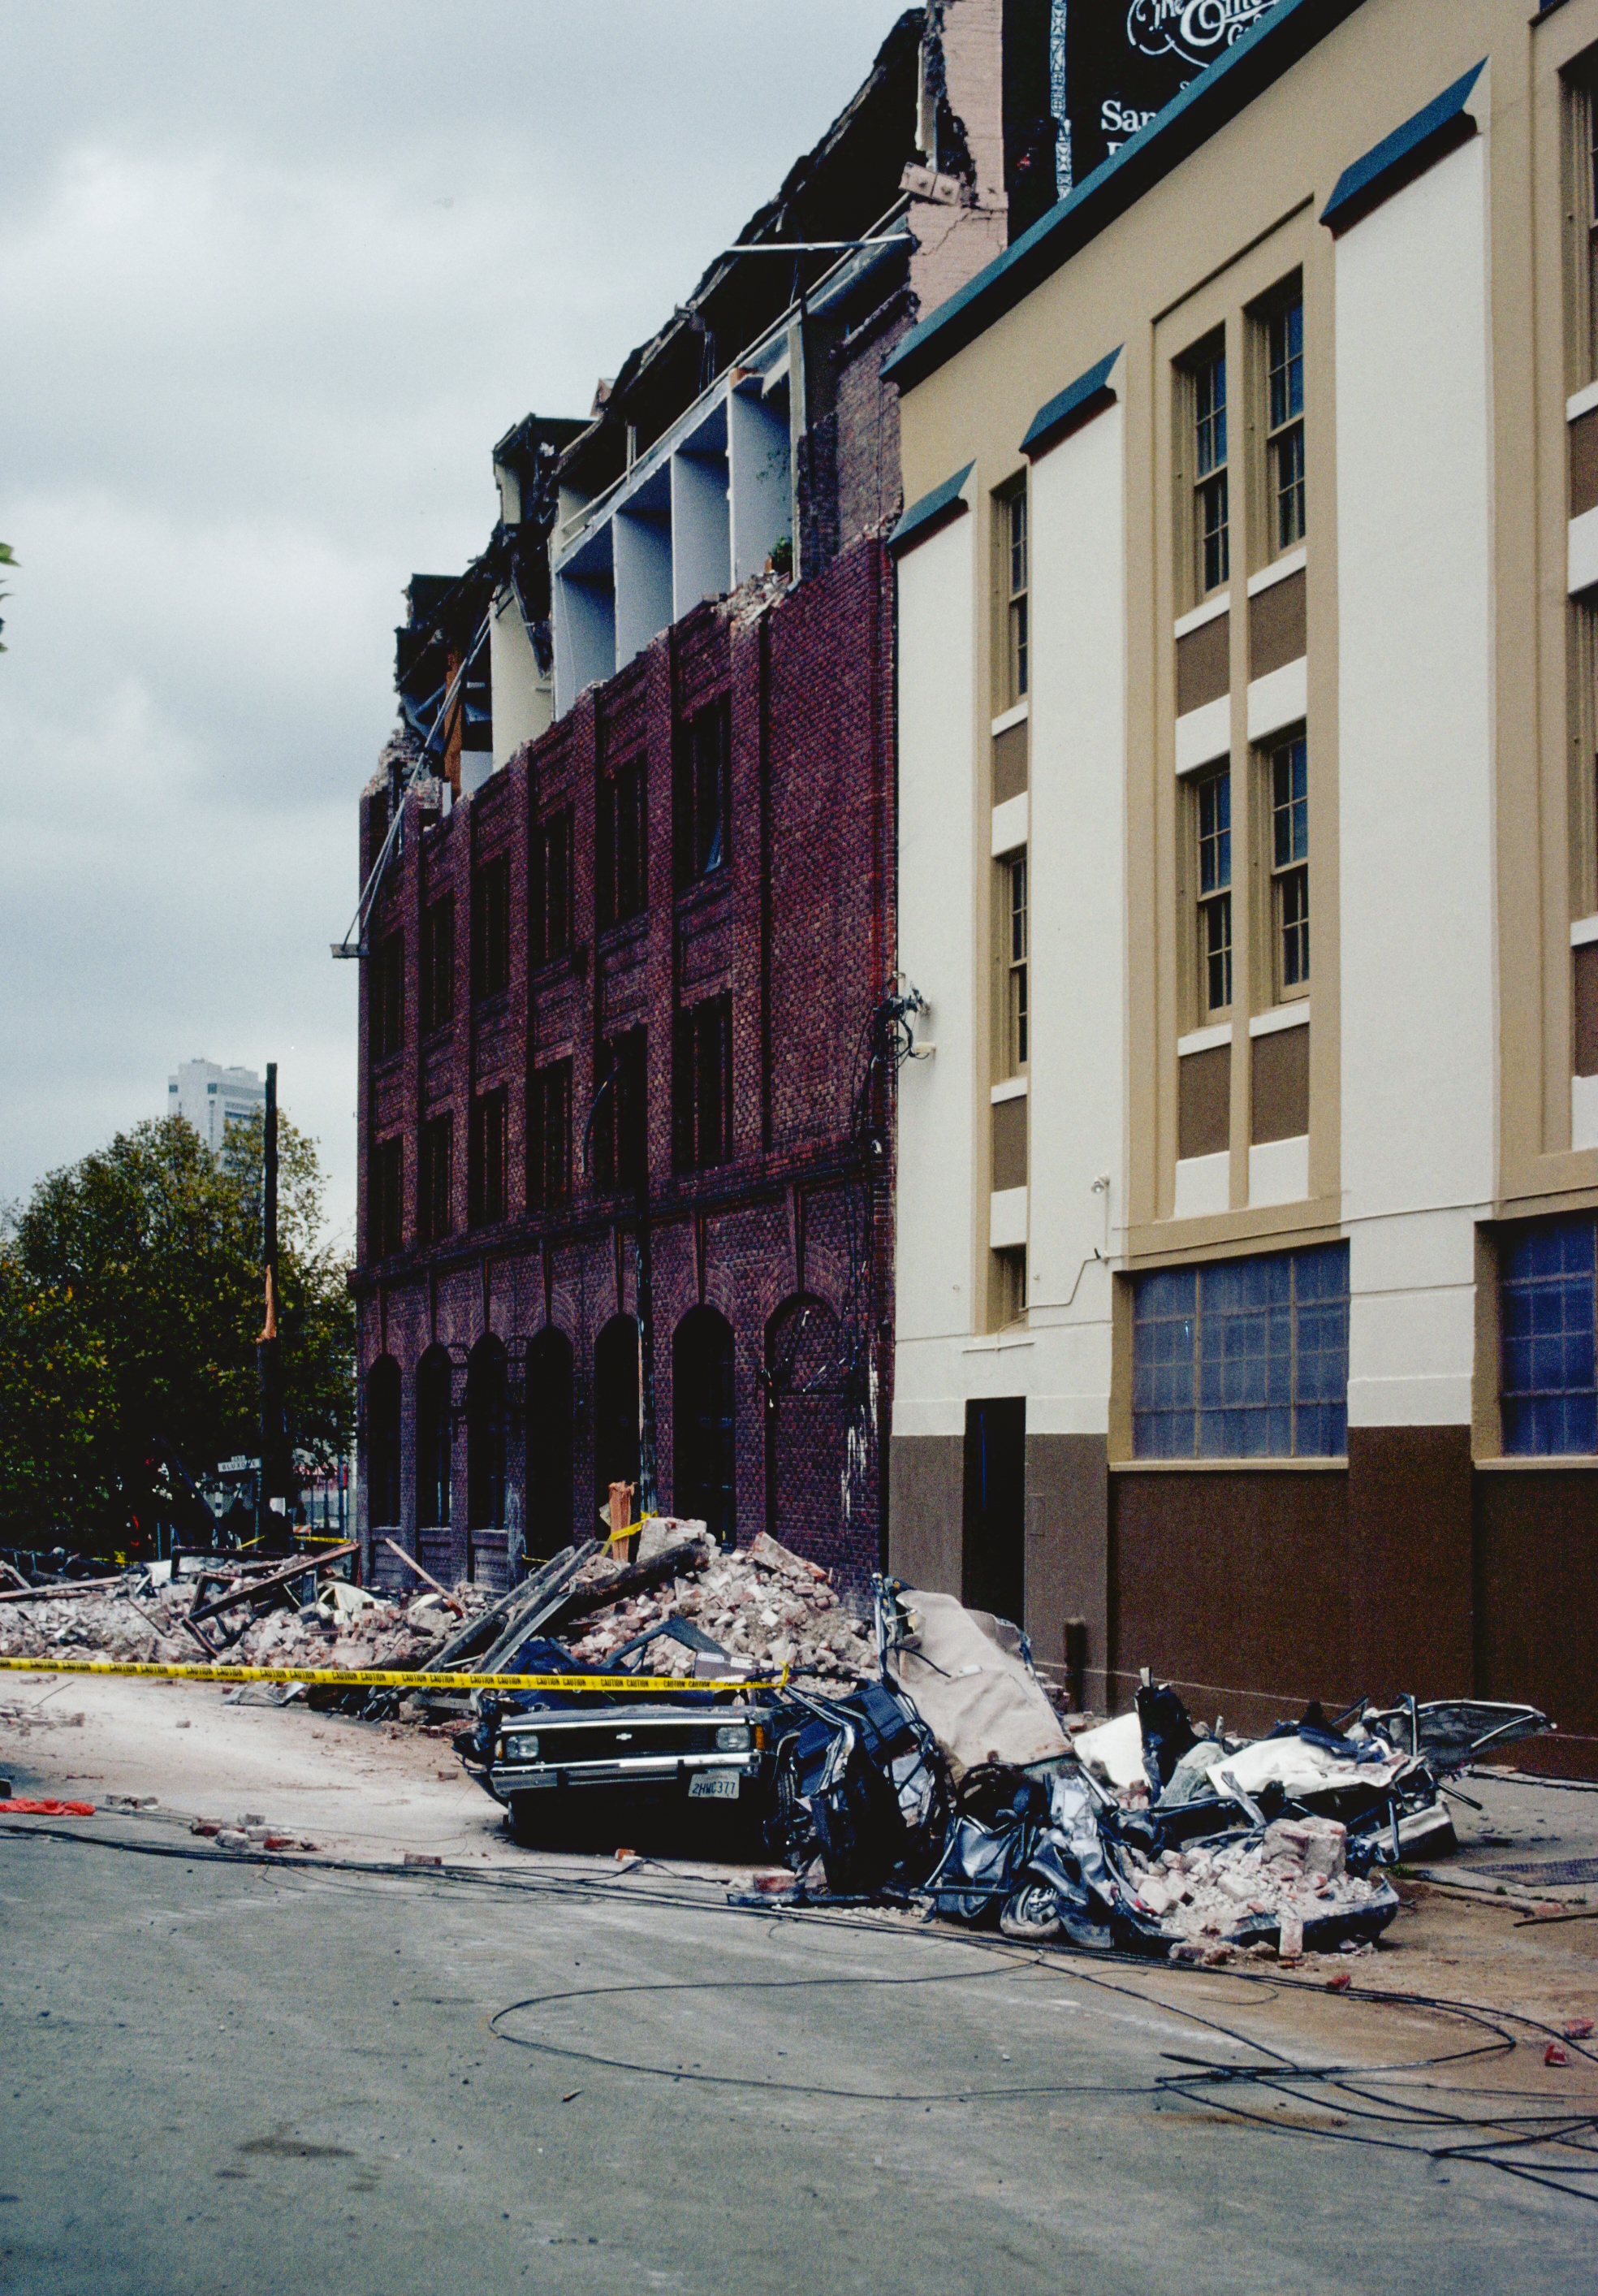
[786, 1240]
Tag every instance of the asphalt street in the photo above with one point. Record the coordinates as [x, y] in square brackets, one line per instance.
[229, 2076]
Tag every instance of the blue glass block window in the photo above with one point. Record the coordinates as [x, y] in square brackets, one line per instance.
[1550, 1392]
[1247, 1359]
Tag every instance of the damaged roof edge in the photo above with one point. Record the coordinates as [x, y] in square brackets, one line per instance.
[1205, 106]
[764, 226]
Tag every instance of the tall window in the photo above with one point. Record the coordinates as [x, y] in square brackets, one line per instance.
[384, 1199]
[549, 1135]
[1290, 863]
[1009, 1287]
[1211, 503]
[551, 888]
[702, 792]
[1212, 807]
[1016, 1023]
[619, 1132]
[1284, 443]
[620, 845]
[439, 964]
[1582, 94]
[1018, 633]
[491, 928]
[1548, 1311]
[701, 1085]
[486, 1159]
[385, 988]
[435, 1211]
[1244, 1359]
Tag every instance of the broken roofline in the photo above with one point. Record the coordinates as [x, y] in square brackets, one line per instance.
[764, 225]
[864, 255]
[1207, 104]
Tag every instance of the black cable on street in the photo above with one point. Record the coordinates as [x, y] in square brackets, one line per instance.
[1211, 2085]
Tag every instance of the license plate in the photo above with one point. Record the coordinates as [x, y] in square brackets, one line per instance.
[704, 1786]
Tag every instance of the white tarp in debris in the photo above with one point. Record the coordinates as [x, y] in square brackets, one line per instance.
[972, 1687]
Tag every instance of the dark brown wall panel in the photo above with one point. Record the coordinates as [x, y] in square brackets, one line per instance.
[926, 1486]
[1280, 1085]
[1010, 763]
[1276, 626]
[1067, 1550]
[1584, 998]
[1204, 1102]
[1536, 1624]
[1204, 664]
[1410, 1561]
[1583, 463]
[1010, 1144]
[1228, 1583]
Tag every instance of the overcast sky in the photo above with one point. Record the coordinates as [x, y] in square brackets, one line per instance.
[273, 279]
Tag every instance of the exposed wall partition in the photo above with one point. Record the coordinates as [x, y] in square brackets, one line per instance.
[704, 509]
[701, 554]
[759, 491]
[584, 617]
[642, 556]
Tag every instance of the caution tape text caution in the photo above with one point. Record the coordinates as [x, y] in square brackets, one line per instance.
[350, 1677]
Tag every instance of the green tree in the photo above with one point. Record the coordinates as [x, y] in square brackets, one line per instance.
[130, 1303]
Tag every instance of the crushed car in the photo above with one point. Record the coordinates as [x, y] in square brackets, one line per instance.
[946, 1776]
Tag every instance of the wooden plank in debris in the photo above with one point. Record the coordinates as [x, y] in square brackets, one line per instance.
[693, 1555]
[411, 1564]
[68, 1587]
[256, 1590]
[480, 1633]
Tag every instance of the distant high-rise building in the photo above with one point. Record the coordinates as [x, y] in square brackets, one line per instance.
[211, 1098]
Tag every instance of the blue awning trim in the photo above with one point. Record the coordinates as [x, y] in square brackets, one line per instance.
[1076, 405]
[1445, 123]
[932, 511]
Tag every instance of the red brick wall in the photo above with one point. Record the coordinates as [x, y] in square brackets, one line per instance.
[797, 931]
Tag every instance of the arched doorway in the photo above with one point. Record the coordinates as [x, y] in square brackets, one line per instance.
[807, 1407]
[382, 1447]
[615, 1405]
[488, 1436]
[435, 1443]
[549, 1443]
[704, 1421]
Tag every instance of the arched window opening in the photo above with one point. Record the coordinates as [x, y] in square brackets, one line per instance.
[549, 1385]
[704, 1432]
[487, 1432]
[435, 1443]
[382, 1447]
[616, 1405]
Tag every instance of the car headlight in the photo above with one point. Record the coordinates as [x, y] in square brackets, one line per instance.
[521, 1746]
[732, 1738]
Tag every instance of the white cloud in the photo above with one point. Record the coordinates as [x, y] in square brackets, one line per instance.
[271, 283]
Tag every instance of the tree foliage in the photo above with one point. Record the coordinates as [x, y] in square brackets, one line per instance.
[130, 1303]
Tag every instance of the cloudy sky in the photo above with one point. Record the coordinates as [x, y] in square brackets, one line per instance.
[272, 282]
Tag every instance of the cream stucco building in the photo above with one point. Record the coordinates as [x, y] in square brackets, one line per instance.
[1247, 1194]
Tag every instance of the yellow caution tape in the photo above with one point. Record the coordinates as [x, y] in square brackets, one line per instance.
[351, 1677]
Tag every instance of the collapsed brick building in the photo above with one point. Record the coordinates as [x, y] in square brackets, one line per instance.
[630, 1016]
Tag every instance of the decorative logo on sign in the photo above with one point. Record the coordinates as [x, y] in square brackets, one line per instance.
[1197, 31]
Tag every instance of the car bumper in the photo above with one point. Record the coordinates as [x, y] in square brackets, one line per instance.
[657, 1772]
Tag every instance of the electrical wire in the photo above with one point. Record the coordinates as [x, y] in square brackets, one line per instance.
[1350, 2090]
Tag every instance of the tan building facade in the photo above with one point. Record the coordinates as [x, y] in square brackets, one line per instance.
[1248, 1198]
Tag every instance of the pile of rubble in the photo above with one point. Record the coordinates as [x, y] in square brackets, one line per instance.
[759, 1609]
[766, 1609]
[138, 1620]
[1292, 1878]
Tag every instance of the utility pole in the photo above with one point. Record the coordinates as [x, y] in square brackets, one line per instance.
[274, 1483]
